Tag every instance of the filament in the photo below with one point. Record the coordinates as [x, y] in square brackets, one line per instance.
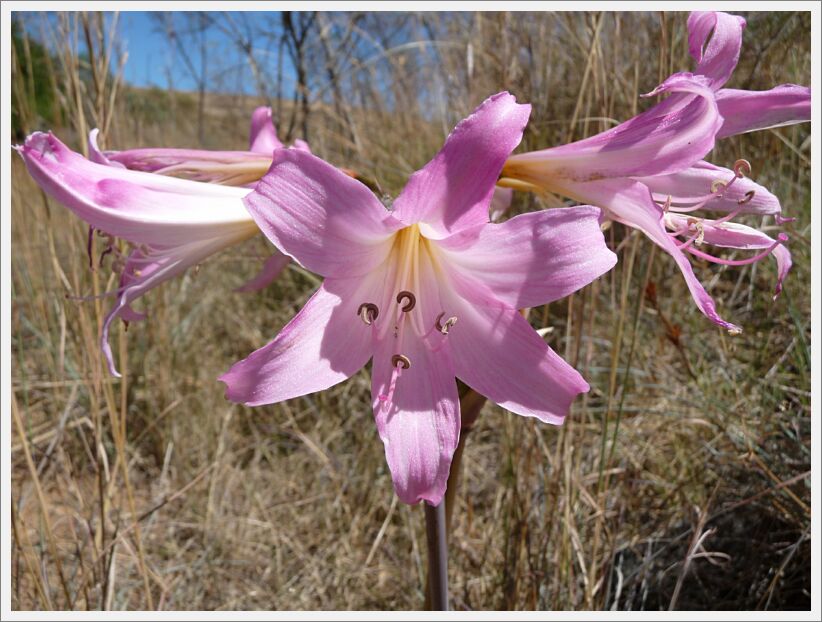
[395, 376]
[740, 262]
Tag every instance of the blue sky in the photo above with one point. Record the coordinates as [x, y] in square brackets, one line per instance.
[151, 58]
[148, 53]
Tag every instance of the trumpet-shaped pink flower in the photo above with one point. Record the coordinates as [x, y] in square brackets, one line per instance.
[172, 224]
[429, 290]
[651, 166]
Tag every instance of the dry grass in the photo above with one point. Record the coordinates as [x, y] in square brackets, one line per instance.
[680, 480]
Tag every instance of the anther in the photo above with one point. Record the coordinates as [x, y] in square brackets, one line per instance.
[444, 328]
[400, 359]
[406, 295]
[742, 168]
[368, 312]
[718, 184]
[694, 224]
[747, 198]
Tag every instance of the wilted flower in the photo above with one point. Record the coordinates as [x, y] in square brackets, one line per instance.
[171, 224]
[429, 290]
[648, 171]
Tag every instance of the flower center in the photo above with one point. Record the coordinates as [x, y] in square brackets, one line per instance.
[411, 309]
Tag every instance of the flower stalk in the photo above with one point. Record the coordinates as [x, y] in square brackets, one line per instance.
[437, 539]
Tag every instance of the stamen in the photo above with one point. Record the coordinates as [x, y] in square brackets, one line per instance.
[396, 372]
[782, 238]
[728, 216]
[747, 198]
[449, 323]
[368, 312]
[781, 220]
[400, 360]
[716, 184]
[742, 168]
[698, 237]
[406, 295]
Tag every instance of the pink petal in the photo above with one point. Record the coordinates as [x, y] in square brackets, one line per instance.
[498, 353]
[500, 202]
[131, 204]
[95, 154]
[301, 145]
[127, 314]
[692, 185]
[419, 423]
[533, 258]
[271, 269]
[630, 203]
[716, 57]
[323, 345]
[263, 136]
[749, 111]
[327, 221]
[736, 235]
[454, 190]
[664, 139]
[143, 272]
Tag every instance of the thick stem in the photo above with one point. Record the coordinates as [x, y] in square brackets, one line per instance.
[437, 555]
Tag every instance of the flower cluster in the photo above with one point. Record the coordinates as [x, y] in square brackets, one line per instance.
[648, 172]
[429, 290]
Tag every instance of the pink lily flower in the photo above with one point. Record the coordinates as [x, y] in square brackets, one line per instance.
[428, 289]
[172, 224]
[651, 165]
